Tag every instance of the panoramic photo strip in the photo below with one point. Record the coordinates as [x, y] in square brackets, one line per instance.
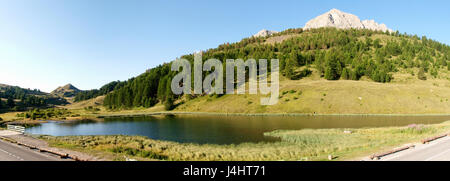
[224, 89]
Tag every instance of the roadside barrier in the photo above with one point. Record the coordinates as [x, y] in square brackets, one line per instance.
[424, 141]
[433, 138]
[378, 156]
[15, 128]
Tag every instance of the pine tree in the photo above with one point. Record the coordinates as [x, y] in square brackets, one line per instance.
[331, 67]
[282, 61]
[291, 64]
[289, 71]
[10, 103]
[162, 89]
[169, 104]
[376, 43]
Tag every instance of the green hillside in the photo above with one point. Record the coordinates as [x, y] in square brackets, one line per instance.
[14, 98]
[384, 68]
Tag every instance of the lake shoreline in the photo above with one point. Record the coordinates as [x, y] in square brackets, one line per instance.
[114, 114]
[348, 144]
[336, 141]
[249, 114]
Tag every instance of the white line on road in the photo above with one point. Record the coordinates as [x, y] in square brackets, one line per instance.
[10, 154]
[435, 156]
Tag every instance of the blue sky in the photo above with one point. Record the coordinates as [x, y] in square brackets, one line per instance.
[48, 43]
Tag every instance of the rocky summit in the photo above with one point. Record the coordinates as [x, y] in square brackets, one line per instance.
[338, 19]
[264, 33]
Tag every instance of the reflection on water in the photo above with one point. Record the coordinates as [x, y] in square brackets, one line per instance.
[221, 129]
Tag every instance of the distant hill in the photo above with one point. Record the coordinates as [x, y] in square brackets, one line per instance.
[4, 85]
[66, 91]
[14, 98]
[9, 88]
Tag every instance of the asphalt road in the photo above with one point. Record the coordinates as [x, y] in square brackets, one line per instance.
[438, 150]
[12, 152]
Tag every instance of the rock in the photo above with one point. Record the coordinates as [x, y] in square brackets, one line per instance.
[130, 160]
[264, 33]
[341, 20]
[372, 25]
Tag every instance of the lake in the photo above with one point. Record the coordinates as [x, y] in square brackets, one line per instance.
[216, 129]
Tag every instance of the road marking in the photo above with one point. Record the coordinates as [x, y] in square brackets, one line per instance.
[435, 156]
[10, 154]
[394, 157]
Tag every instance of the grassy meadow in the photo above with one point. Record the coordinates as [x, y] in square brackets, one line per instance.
[405, 95]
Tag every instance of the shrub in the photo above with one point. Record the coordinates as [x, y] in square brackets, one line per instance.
[421, 75]
[92, 109]
[434, 73]
[169, 104]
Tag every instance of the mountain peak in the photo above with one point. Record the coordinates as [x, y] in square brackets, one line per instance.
[69, 86]
[67, 90]
[342, 20]
[334, 10]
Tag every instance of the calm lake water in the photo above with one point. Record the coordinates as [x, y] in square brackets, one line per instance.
[221, 129]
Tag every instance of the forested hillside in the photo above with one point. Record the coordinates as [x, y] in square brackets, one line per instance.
[85, 95]
[15, 98]
[333, 53]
